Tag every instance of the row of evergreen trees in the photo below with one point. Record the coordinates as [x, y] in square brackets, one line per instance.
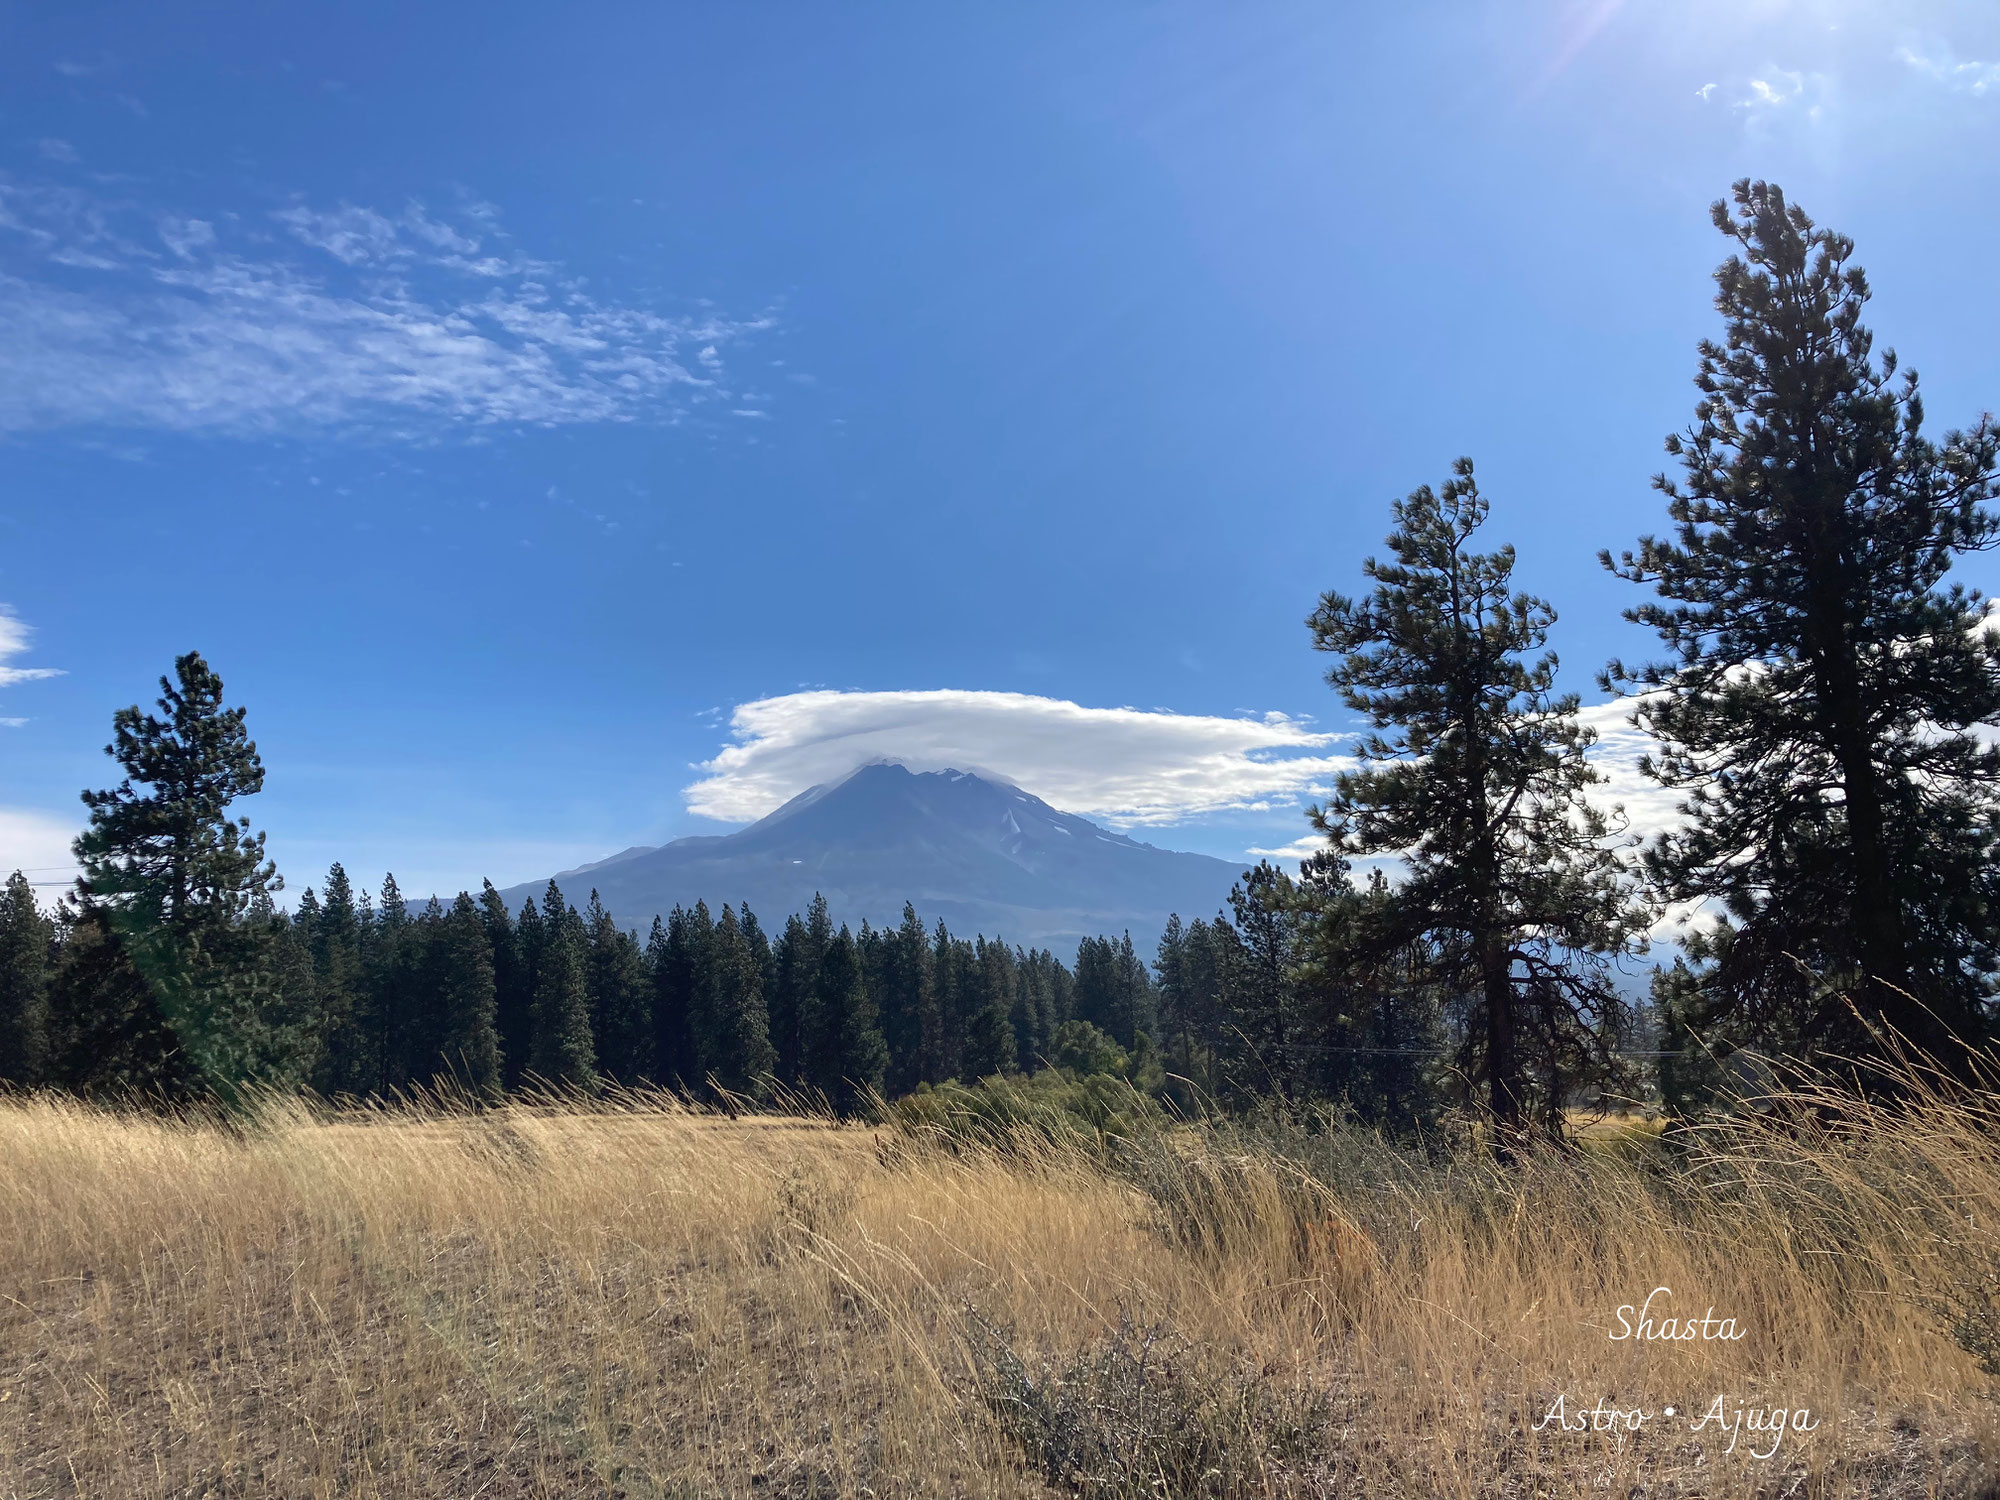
[351, 996]
[364, 997]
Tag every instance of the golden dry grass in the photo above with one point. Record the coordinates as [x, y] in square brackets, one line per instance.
[650, 1302]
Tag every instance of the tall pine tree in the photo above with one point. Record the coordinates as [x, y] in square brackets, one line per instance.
[1112, 991]
[912, 1023]
[290, 1021]
[991, 1044]
[169, 882]
[1264, 1003]
[1482, 788]
[26, 937]
[1824, 681]
[953, 979]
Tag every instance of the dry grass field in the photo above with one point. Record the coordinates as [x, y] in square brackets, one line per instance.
[645, 1301]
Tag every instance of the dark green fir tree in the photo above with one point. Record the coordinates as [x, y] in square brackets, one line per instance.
[846, 1055]
[464, 1041]
[731, 1023]
[681, 960]
[621, 999]
[513, 986]
[990, 1045]
[528, 946]
[345, 1049]
[291, 1016]
[794, 988]
[26, 940]
[563, 1054]
[1264, 1003]
[912, 1025]
[391, 955]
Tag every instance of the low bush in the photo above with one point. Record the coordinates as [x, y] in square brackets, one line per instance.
[1145, 1412]
[1094, 1113]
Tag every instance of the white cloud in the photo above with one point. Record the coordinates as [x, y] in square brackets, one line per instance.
[185, 236]
[1303, 847]
[393, 322]
[1126, 766]
[1639, 806]
[350, 235]
[362, 236]
[1964, 77]
[1780, 90]
[13, 642]
[1650, 808]
[1784, 99]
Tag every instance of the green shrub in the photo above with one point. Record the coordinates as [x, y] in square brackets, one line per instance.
[1091, 1113]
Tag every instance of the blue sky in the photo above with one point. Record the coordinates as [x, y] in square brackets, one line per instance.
[567, 427]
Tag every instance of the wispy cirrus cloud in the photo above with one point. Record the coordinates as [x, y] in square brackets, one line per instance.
[14, 637]
[345, 317]
[1937, 63]
[1129, 767]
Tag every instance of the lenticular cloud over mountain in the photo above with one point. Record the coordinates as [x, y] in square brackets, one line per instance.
[1130, 767]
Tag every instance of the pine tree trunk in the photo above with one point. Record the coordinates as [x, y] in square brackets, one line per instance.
[1877, 917]
[1503, 1068]
[1502, 1056]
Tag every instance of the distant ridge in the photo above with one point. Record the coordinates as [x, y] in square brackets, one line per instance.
[967, 847]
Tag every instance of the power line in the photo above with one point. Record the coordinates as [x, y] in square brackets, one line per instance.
[1451, 1051]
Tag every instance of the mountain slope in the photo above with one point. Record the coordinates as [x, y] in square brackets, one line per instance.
[983, 855]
